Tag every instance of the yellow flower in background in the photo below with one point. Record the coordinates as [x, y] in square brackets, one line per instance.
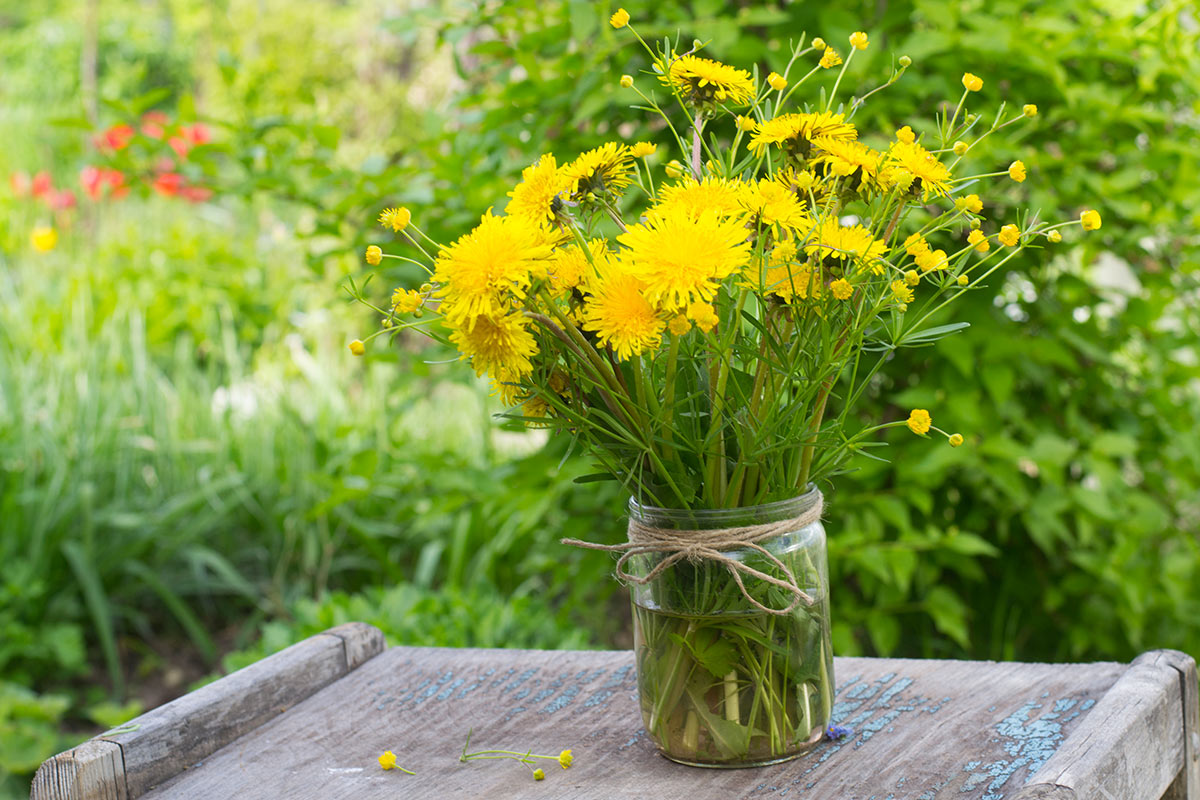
[912, 277]
[619, 19]
[798, 131]
[484, 269]
[43, 238]
[626, 81]
[956, 439]
[905, 135]
[499, 345]
[620, 315]
[911, 163]
[841, 289]
[643, 149]
[679, 325]
[830, 58]
[374, 255]
[536, 197]
[745, 124]
[777, 81]
[565, 758]
[607, 169]
[902, 291]
[972, 83]
[858, 40]
[358, 348]
[1016, 171]
[977, 240]
[854, 242]
[406, 301]
[1029, 110]
[702, 81]
[915, 244]
[932, 259]
[1090, 220]
[845, 157]
[1009, 236]
[971, 203]
[1054, 236]
[704, 315]
[395, 218]
[570, 268]
[919, 421]
[388, 760]
[682, 258]
[674, 169]
[805, 184]
[717, 195]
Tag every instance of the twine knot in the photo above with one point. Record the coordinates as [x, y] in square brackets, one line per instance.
[712, 545]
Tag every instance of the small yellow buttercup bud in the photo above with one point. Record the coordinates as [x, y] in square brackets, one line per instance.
[905, 62]
[972, 83]
[674, 169]
[626, 81]
[539, 775]
[818, 43]
[374, 255]
[358, 348]
[956, 439]
[777, 81]
[858, 40]
[912, 277]
[960, 148]
[746, 124]
[1054, 236]
[1090, 220]
[620, 19]
[1029, 110]
[963, 280]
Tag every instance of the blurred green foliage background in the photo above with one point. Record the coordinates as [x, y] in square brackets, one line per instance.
[194, 472]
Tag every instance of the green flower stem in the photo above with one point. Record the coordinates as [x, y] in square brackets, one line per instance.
[845, 65]
[670, 693]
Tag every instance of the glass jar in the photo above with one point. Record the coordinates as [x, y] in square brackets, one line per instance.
[722, 683]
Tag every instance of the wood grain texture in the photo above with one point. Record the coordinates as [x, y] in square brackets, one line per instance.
[924, 730]
[1132, 747]
[92, 771]
[172, 738]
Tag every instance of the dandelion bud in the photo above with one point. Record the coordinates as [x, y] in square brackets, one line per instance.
[626, 81]
[905, 62]
[358, 348]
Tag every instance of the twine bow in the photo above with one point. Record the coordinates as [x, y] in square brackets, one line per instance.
[710, 545]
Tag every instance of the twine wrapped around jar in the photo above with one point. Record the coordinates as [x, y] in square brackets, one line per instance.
[710, 545]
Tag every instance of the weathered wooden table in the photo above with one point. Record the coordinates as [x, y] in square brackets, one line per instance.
[310, 722]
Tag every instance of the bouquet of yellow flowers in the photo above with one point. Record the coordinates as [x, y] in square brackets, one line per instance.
[706, 332]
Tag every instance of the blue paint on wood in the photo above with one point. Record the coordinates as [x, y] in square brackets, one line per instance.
[1087, 704]
[893, 690]
[524, 676]
[563, 700]
[449, 690]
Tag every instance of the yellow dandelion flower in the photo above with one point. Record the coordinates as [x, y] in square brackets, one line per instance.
[972, 83]
[858, 40]
[535, 406]
[620, 315]
[830, 58]
[1090, 220]
[536, 197]
[1009, 235]
[395, 218]
[769, 202]
[1029, 110]
[805, 184]
[905, 135]
[915, 163]
[912, 277]
[683, 258]
[679, 325]
[790, 282]
[694, 198]
[570, 268]
[702, 81]
[487, 267]
[976, 239]
[798, 131]
[358, 348]
[902, 292]
[499, 345]
[406, 301]
[374, 255]
[841, 289]
[846, 158]
[607, 169]
[956, 439]
[1054, 236]
[620, 19]
[1016, 171]
[777, 81]
[854, 243]
[643, 149]
[704, 315]
[626, 81]
[970, 203]
[43, 238]
[565, 758]
[919, 421]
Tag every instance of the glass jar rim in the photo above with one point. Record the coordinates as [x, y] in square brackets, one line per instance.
[714, 517]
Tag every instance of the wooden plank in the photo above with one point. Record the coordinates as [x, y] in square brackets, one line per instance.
[1186, 785]
[1132, 744]
[174, 737]
[924, 730]
[92, 771]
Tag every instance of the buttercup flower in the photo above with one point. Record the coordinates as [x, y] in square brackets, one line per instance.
[619, 19]
[1054, 236]
[406, 301]
[777, 81]
[971, 203]
[841, 289]
[1029, 110]
[395, 218]
[979, 241]
[1009, 235]
[565, 758]
[388, 759]
[1090, 220]
[906, 135]
[919, 421]
[830, 58]
[858, 40]
[626, 81]
[674, 169]
[1016, 171]
[538, 774]
[358, 348]
[374, 255]
[746, 124]
[972, 83]
[643, 149]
